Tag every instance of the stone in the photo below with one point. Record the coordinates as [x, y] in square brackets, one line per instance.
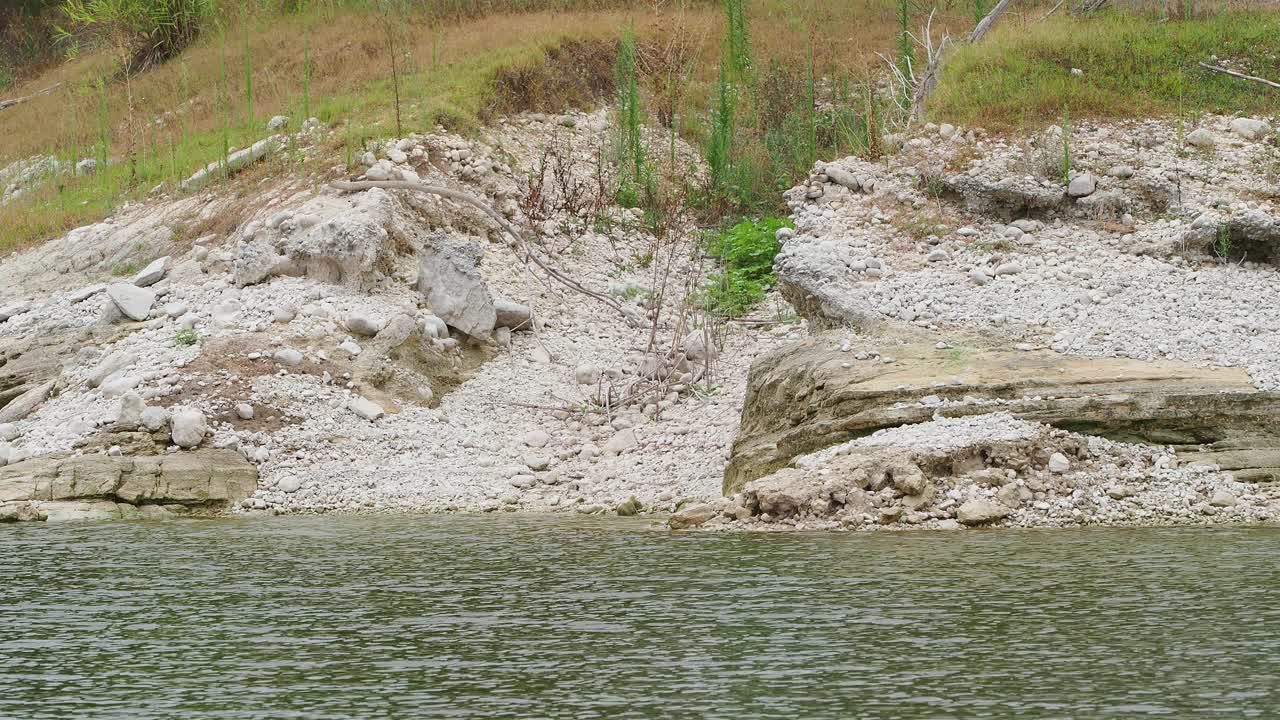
[908, 480]
[979, 276]
[1122, 172]
[176, 310]
[621, 442]
[277, 122]
[155, 419]
[289, 484]
[512, 315]
[85, 293]
[1009, 268]
[288, 356]
[131, 409]
[537, 463]
[284, 313]
[9, 432]
[693, 516]
[26, 403]
[350, 347]
[1250, 129]
[120, 384]
[132, 301]
[450, 282]
[1009, 496]
[1223, 498]
[87, 166]
[362, 323]
[976, 511]
[1058, 463]
[110, 365]
[366, 408]
[433, 327]
[537, 439]
[153, 273]
[586, 374]
[696, 347]
[629, 508]
[244, 411]
[1201, 138]
[188, 427]
[1082, 185]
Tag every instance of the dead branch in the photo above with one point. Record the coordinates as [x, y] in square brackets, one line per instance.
[1235, 74]
[985, 24]
[523, 249]
[1089, 6]
[16, 101]
[1052, 10]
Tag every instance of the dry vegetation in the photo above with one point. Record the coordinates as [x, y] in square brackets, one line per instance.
[459, 62]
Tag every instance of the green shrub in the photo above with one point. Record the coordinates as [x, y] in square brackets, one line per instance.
[746, 252]
[186, 338]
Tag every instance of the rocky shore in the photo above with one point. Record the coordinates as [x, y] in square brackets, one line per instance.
[977, 343]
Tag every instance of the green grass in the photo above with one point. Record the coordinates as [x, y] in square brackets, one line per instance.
[1132, 67]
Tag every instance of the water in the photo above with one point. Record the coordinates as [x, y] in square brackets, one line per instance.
[525, 617]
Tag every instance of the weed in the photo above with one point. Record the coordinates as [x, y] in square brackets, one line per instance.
[746, 252]
[123, 269]
[1222, 242]
[185, 338]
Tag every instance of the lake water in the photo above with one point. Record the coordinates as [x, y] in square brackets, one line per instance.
[542, 617]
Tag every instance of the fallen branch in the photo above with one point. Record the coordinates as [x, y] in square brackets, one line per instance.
[1235, 74]
[1052, 10]
[521, 244]
[985, 24]
[15, 101]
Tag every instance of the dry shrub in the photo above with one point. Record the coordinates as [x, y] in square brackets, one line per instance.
[571, 74]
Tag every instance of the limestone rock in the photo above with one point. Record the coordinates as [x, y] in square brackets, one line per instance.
[132, 301]
[976, 511]
[621, 442]
[693, 516]
[362, 323]
[26, 403]
[366, 408]
[154, 272]
[188, 427]
[450, 281]
[512, 315]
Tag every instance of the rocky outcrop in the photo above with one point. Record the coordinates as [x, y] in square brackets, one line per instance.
[340, 240]
[58, 486]
[809, 396]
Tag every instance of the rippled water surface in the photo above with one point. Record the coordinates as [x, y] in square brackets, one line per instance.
[519, 617]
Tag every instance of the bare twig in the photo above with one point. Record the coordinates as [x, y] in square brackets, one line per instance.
[15, 101]
[1235, 74]
[523, 249]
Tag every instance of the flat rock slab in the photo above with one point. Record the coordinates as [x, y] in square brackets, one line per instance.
[802, 398]
[206, 480]
[133, 302]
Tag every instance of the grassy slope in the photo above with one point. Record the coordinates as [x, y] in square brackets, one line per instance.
[1132, 67]
[1020, 75]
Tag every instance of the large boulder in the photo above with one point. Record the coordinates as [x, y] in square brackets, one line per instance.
[808, 396]
[26, 403]
[450, 280]
[344, 240]
[132, 301]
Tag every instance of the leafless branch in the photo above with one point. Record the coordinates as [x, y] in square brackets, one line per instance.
[1235, 74]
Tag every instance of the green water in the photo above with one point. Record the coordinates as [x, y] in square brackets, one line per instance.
[520, 617]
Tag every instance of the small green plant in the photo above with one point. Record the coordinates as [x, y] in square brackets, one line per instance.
[122, 269]
[746, 252]
[1222, 242]
[186, 338]
[629, 151]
